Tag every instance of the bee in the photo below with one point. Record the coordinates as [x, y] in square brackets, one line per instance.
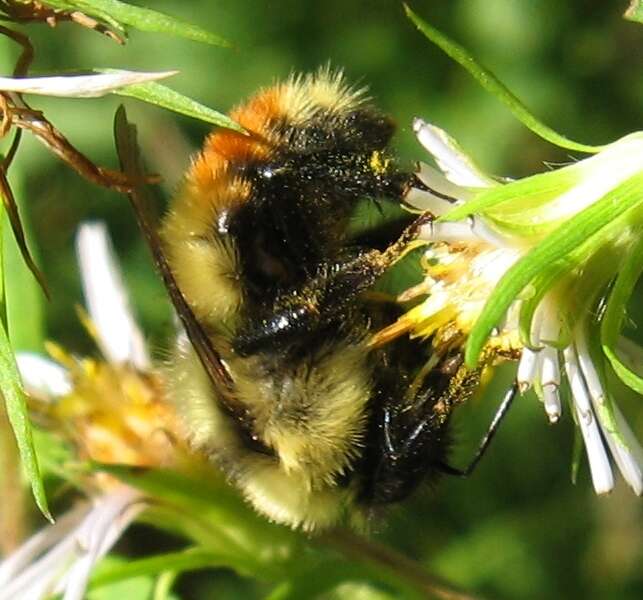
[277, 380]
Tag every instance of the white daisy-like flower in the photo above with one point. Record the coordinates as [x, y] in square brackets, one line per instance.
[548, 324]
[59, 559]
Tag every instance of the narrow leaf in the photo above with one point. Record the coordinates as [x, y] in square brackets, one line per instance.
[11, 209]
[624, 373]
[145, 19]
[160, 95]
[493, 85]
[201, 492]
[615, 311]
[187, 560]
[23, 293]
[527, 192]
[576, 231]
[17, 411]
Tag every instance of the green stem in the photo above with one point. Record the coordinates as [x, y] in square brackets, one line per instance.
[385, 559]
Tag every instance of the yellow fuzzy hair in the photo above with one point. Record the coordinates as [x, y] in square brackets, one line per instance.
[314, 421]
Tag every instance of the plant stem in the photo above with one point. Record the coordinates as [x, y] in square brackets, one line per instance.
[379, 556]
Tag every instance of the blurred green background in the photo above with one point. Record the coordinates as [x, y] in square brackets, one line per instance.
[518, 528]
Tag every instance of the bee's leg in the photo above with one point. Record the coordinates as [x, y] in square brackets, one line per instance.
[408, 437]
[297, 315]
[326, 299]
[503, 409]
[381, 236]
[405, 445]
[404, 455]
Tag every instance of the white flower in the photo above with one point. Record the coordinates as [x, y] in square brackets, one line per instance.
[59, 559]
[118, 335]
[80, 86]
[467, 258]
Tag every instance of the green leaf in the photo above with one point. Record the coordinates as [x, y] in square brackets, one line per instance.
[212, 513]
[541, 285]
[612, 321]
[186, 560]
[201, 488]
[624, 373]
[329, 573]
[524, 194]
[605, 409]
[161, 95]
[493, 85]
[24, 297]
[16, 404]
[132, 587]
[575, 232]
[163, 586]
[117, 13]
[634, 12]
[87, 9]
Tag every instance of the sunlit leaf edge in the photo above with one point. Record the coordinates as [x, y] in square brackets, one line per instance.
[615, 310]
[165, 97]
[575, 232]
[16, 405]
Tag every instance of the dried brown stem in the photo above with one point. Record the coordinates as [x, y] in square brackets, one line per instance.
[38, 12]
[56, 142]
[5, 107]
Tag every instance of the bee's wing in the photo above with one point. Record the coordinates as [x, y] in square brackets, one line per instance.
[129, 156]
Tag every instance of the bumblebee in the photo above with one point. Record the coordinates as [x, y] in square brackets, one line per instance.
[279, 382]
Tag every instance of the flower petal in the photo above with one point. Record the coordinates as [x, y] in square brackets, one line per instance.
[43, 378]
[457, 166]
[628, 458]
[442, 195]
[527, 368]
[549, 368]
[438, 183]
[599, 465]
[119, 336]
[79, 86]
[427, 202]
[39, 578]
[100, 530]
[60, 558]
[37, 544]
[551, 401]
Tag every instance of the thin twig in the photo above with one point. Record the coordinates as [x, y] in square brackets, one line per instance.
[20, 69]
[56, 142]
[26, 56]
[37, 11]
